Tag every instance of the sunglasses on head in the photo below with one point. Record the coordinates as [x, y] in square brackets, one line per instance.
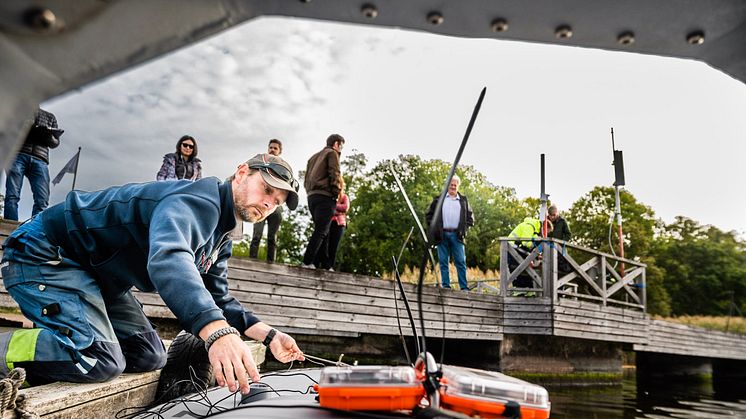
[187, 145]
[278, 171]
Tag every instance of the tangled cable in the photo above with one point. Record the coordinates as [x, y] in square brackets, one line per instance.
[9, 398]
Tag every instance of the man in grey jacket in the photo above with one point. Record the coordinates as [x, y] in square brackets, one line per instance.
[71, 269]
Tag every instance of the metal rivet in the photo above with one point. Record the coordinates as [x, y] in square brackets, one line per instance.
[42, 287]
[563, 32]
[370, 11]
[40, 19]
[626, 38]
[499, 25]
[696, 38]
[44, 311]
[435, 18]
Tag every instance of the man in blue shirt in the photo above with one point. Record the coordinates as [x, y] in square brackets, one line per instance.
[450, 231]
[71, 269]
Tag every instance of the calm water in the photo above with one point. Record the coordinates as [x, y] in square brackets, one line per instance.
[672, 399]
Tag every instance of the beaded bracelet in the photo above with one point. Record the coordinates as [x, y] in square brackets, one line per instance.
[225, 331]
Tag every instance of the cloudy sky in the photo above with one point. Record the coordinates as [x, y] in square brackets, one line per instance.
[680, 123]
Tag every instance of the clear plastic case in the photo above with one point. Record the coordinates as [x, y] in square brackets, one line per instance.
[487, 393]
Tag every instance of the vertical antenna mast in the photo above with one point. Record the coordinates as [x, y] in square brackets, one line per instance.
[618, 181]
[543, 198]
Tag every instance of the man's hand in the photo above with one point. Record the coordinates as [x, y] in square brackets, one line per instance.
[231, 359]
[285, 349]
[283, 346]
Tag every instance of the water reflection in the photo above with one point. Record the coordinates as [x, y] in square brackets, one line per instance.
[674, 398]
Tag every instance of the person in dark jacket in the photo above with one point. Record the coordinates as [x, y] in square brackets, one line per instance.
[322, 187]
[326, 257]
[273, 220]
[71, 269]
[183, 164]
[32, 161]
[561, 229]
[450, 231]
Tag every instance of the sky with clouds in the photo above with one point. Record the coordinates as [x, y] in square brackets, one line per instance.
[388, 92]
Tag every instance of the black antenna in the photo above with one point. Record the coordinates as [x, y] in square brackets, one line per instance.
[431, 380]
[409, 311]
[404, 297]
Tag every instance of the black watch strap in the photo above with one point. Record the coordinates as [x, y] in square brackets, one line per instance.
[270, 336]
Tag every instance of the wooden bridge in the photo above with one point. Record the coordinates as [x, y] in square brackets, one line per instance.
[589, 302]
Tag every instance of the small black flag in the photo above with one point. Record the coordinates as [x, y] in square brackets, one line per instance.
[70, 167]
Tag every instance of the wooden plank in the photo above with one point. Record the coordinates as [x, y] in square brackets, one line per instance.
[66, 400]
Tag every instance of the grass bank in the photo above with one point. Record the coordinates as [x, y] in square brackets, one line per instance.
[721, 323]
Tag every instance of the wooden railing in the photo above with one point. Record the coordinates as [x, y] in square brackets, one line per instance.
[554, 273]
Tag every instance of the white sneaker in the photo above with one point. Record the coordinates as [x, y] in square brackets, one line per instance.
[331, 269]
[311, 266]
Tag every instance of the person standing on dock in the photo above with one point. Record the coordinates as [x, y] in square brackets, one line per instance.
[273, 220]
[71, 269]
[32, 162]
[450, 232]
[322, 186]
[183, 164]
[561, 230]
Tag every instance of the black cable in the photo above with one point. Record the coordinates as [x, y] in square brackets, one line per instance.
[398, 323]
[442, 303]
[406, 305]
[396, 304]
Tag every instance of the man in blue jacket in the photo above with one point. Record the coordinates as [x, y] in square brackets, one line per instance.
[71, 269]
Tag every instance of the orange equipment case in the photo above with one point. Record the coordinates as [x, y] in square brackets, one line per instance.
[369, 388]
[485, 393]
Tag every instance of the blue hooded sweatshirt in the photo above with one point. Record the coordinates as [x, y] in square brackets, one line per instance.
[170, 237]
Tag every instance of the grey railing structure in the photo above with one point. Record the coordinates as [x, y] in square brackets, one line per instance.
[593, 276]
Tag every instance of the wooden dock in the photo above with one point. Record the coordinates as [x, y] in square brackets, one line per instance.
[313, 302]
[324, 304]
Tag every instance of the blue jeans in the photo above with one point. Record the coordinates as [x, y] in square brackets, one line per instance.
[37, 172]
[451, 247]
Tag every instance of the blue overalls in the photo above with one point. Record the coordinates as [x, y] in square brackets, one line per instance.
[79, 336]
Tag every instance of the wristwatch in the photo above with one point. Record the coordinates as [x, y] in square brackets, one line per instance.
[270, 336]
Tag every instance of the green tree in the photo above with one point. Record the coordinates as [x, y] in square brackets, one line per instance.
[705, 268]
[592, 225]
[591, 220]
[295, 230]
[379, 219]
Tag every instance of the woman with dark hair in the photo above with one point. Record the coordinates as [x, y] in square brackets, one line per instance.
[183, 164]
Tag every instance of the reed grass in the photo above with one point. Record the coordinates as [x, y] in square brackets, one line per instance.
[721, 323]
[412, 274]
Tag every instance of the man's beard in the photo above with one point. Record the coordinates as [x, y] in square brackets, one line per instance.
[249, 216]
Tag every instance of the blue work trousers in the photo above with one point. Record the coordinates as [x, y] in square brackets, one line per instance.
[451, 247]
[37, 172]
[79, 334]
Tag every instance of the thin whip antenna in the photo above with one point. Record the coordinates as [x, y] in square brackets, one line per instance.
[404, 245]
[436, 217]
[414, 215]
